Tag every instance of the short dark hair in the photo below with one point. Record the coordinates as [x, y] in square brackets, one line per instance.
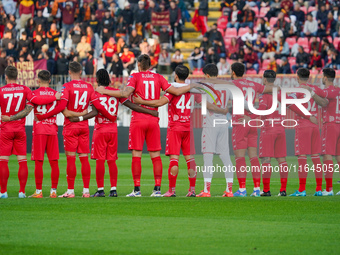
[329, 73]
[145, 61]
[270, 75]
[182, 72]
[103, 78]
[238, 68]
[11, 72]
[303, 73]
[210, 69]
[75, 67]
[44, 75]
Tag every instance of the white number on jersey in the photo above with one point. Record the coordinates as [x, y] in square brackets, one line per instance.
[149, 87]
[81, 101]
[10, 99]
[181, 104]
[42, 108]
[311, 107]
[109, 105]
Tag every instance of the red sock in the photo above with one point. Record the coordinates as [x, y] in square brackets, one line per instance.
[266, 174]
[100, 172]
[54, 173]
[113, 170]
[136, 168]
[303, 172]
[38, 173]
[318, 172]
[241, 172]
[23, 174]
[4, 174]
[71, 171]
[328, 170]
[191, 165]
[283, 175]
[85, 171]
[157, 170]
[256, 171]
[172, 178]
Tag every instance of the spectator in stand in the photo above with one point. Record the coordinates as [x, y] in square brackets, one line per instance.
[67, 13]
[211, 57]
[216, 38]
[282, 49]
[108, 26]
[233, 48]
[310, 27]
[248, 17]
[24, 42]
[62, 65]
[3, 64]
[315, 60]
[83, 47]
[51, 64]
[284, 67]
[270, 48]
[314, 44]
[302, 59]
[134, 5]
[337, 28]
[117, 66]
[39, 31]
[241, 4]
[11, 51]
[275, 8]
[127, 15]
[299, 14]
[263, 28]
[223, 67]
[249, 36]
[50, 15]
[10, 28]
[175, 18]
[176, 59]
[287, 6]
[203, 11]
[121, 27]
[76, 35]
[332, 59]
[120, 45]
[141, 17]
[90, 64]
[234, 18]
[38, 44]
[326, 45]
[206, 44]
[128, 59]
[9, 7]
[258, 46]
[276, 33]
[164, 62]
[90, 37]
[321, 17]
[100, 12]
[41, 20]
[26, 11]
[196, 59]
[134, 41]
[8, 39]
[109, 49]
[164, 35]
[272, 64]
[53, 36]
[93, 23]
[40, 5]
[84, 13]
[330, 27]
[251, 60]
[155, 49]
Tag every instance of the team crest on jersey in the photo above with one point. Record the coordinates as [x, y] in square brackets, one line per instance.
[176, 117]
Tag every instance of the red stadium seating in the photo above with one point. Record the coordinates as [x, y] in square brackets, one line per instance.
[291, 41]
[251, 71]
[292, 61]
[221, 30]
[198, 72]
[265, 64]
[263, 11]
[304, 43]
[264, 40]
[337, 72]
[256, 10]
[304, 9]
[336, 42]
[261, 72]
[314, 71]
[242, 31]
[273, 21]
[231, 32]
[330, 39]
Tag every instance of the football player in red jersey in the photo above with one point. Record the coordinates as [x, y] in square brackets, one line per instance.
[179, 133]
[13, 105]
[307, 139]
[104, 141]
[329, 99]
[76, 96]
[144, 127]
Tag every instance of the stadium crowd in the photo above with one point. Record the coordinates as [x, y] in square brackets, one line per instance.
[281, 35]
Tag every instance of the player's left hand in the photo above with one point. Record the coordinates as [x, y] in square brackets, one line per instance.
[314, 120]
[100, 90]
[137, 99]
[5, 118]
[74, 119]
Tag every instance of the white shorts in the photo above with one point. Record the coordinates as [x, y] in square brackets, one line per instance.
[215, 140]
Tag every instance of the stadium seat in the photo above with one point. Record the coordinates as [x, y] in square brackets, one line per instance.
[273, 21]
[261, 72]
[337, 72]
[330, 39]
[292, 61]
[231, 32]
[242, 31]
[263, 11]
[311, 8]
[227, 41]
[287, 19]
[314, 72]
[264, 40]
[265, 64]
[230, 61]
[256, 10]
[291, 41]
[222, 22]
[303, 41]
[251, 71]
[336, 42]
[221, 31]
[304, 9]
[198, 72]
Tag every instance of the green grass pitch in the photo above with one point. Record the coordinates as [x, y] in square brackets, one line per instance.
[216, 225]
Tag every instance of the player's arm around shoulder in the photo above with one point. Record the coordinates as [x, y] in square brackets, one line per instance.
[19, 115]
[152, 103]
[140, 109]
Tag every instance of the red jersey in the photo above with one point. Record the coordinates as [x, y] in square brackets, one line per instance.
[13, 99]
[311, 106]
[330, 113]
[109, 49]
[110, 106]
[274, 119]
[46, 126]
[127, 57]
[245, 86]
[179, 111]
[78, 94]
[148, 86]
